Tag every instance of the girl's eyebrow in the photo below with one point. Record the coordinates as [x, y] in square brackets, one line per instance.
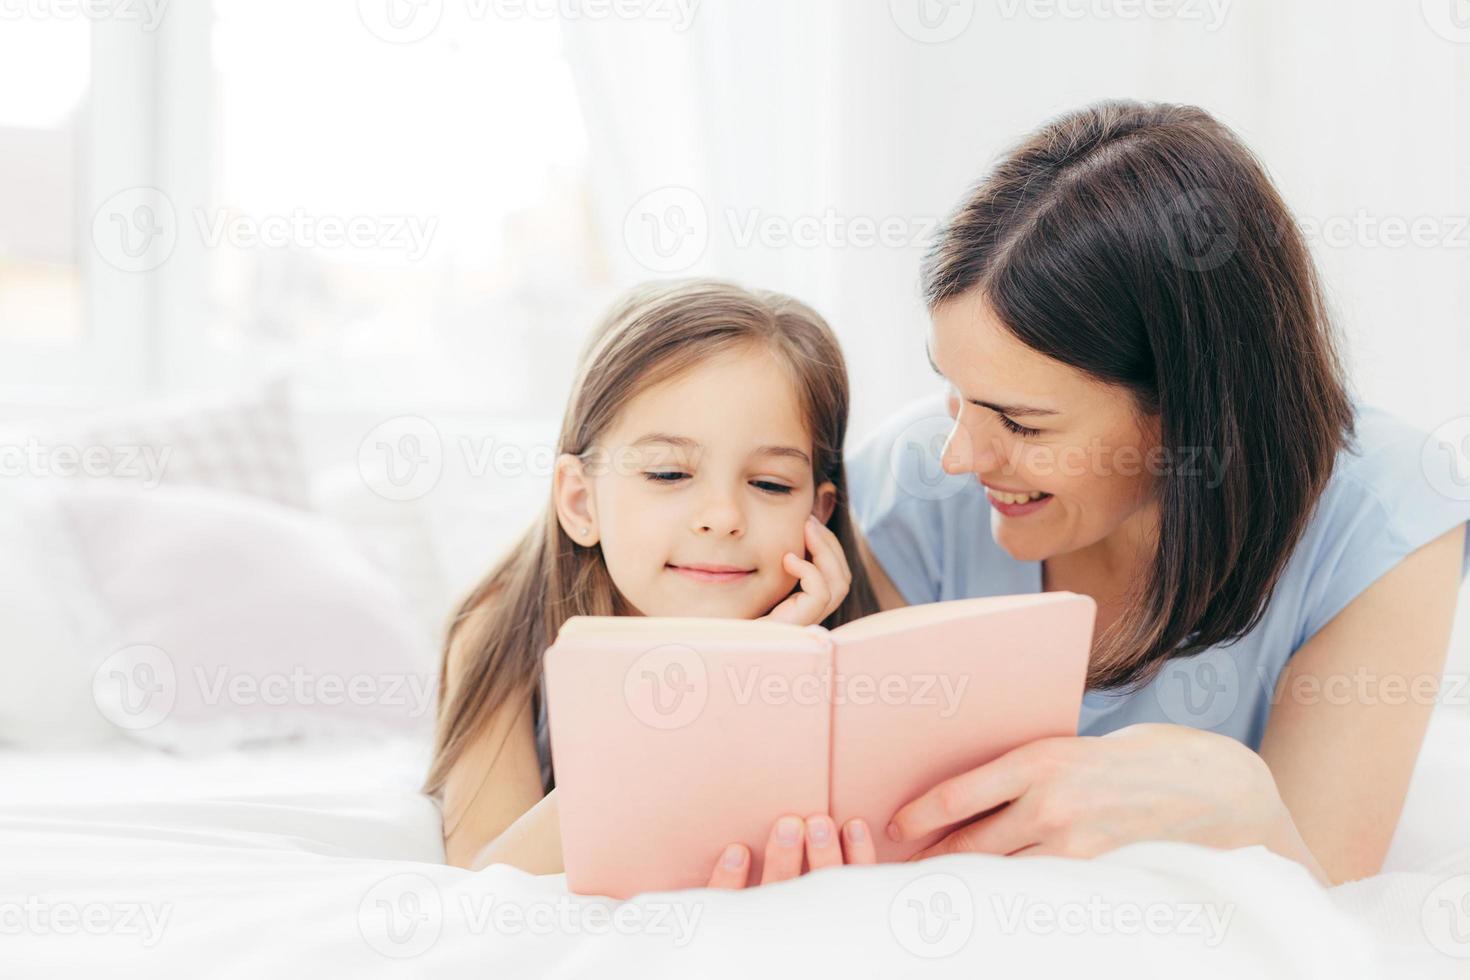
[686, 443]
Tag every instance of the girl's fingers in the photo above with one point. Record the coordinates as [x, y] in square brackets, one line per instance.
[783, 850]
[857, 842]
[823, 850]
[799, 607]
[732, 870]
[827, 554]
[814, 587]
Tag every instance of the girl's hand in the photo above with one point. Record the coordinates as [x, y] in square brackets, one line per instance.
[785, 846]
[824, 579]
[1084, 796]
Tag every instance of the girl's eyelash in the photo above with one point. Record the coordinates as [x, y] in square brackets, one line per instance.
[674, 476]
[1016, 427]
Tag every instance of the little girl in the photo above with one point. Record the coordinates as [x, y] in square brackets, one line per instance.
[699, 473]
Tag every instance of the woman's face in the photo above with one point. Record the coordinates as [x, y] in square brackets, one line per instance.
[1029, 425]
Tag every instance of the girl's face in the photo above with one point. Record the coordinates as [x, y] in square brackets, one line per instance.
[699, 489]
[1026, 424]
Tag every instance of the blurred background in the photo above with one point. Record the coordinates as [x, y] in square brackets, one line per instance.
[341, 256]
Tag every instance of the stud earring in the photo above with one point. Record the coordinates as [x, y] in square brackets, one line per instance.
[582, 531]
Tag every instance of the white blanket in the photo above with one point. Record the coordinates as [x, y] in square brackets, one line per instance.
[326, 863]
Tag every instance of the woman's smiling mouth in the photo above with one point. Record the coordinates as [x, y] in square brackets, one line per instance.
[712, 573]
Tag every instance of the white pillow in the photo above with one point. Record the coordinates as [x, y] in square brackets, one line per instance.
[232, 619]
[48, 616]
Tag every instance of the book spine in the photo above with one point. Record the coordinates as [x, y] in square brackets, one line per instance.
[829, 646]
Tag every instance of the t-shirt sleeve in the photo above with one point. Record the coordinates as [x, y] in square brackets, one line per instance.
[897, 491]
[1403, 492]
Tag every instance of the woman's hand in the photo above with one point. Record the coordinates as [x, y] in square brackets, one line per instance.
[824, 579]
[1084, 796]
[785, 846]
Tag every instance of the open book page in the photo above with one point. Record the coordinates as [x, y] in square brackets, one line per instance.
[939, 695]
[908, 617]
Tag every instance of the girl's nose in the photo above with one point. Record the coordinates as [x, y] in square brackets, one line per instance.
[721, 519]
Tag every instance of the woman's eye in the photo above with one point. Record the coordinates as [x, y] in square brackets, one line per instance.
[1016, 427]
[665, 476]
[769, 487]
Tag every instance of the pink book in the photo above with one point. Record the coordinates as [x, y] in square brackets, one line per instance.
[673, 737]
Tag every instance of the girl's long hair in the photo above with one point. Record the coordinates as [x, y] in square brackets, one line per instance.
[652, 334]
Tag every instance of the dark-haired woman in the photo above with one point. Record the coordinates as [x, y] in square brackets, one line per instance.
[1145, 405]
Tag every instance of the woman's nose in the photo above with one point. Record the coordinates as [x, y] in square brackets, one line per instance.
[957, 456]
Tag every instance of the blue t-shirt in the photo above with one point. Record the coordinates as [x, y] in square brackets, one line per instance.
[931, 533]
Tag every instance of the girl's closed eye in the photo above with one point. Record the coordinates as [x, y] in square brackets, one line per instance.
[670, 477]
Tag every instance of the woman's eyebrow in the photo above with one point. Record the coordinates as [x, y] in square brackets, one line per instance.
[1002, 409]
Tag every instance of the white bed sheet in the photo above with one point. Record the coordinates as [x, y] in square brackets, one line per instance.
[322, 860]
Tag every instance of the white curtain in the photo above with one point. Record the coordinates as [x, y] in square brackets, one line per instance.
[809, 146]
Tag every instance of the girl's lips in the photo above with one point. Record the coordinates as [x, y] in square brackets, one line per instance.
[1017, 510]
[712, 573]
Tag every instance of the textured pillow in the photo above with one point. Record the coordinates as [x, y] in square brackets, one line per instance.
[232, 619]
[246, 443]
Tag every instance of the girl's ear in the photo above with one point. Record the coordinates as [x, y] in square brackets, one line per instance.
[825, 501]
[571, 491]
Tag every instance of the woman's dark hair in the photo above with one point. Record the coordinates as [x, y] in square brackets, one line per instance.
[1144, 245]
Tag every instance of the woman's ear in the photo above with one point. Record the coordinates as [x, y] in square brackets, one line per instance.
[825, 501]
[571, 491]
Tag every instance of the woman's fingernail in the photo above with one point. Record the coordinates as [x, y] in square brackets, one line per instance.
[857, 831]
[893, 831]
[820, 830]
[788, 831]
[734, 857]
